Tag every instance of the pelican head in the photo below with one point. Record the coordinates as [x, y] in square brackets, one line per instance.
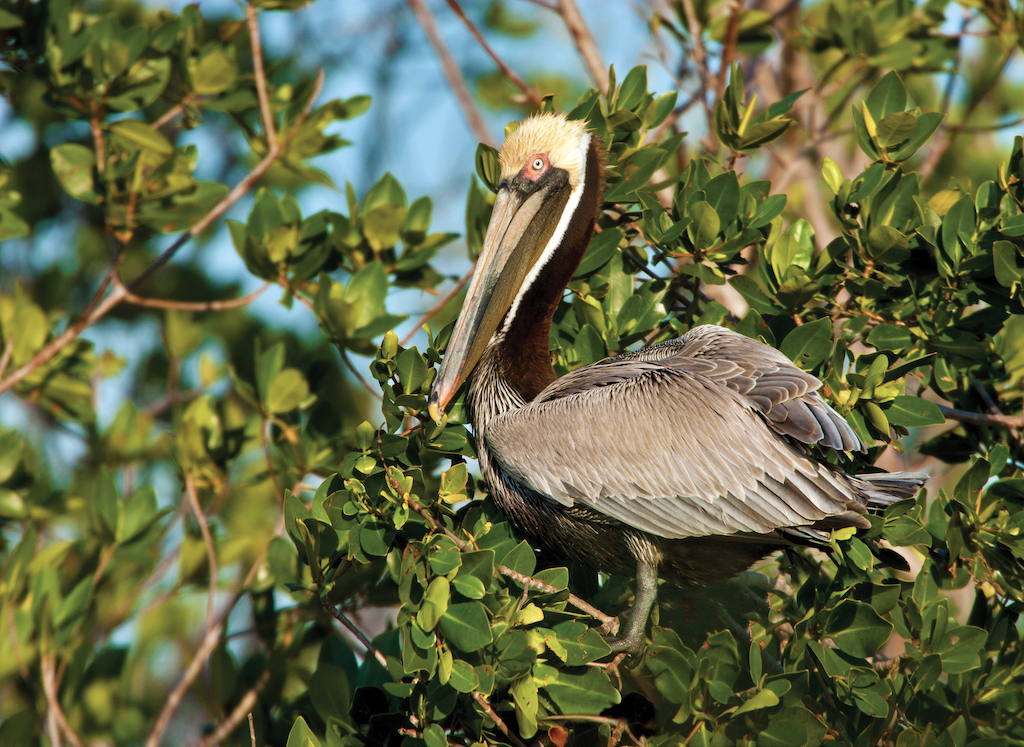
[544, 173]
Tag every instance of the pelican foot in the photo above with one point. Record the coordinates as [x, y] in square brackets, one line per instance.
[632, 638]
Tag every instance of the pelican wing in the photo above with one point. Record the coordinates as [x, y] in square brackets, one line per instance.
[680, 440]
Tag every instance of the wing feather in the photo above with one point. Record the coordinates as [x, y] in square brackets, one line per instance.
[675, 445]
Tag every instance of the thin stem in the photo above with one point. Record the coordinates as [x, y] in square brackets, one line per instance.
[5, 359]
[57, 722]
[451, 71]
[261, 78]
[355, 372]
[585, 43]
[437, 307]
[160, 303]
[211, 553]
[732, 36]
[238, 713]
[1004, 421]
[239, 190]
[173, 112]
[481, 699]
[97, 309]
[509, 74]
[352, 628]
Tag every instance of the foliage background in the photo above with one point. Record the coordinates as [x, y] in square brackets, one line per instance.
[212, 476]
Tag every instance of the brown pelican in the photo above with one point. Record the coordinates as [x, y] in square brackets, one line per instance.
[688, 459]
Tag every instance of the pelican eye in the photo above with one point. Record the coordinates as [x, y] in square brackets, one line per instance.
[538, 164]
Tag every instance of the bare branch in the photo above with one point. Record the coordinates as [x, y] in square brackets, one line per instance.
[57, 722]
[352, 628]
[700, 57]
[211, 553]
[174, 111]
[238, 713]
[355, 372]
[975, 418]
[451, 71]
[437, 307]
[585, 43]
[732, 36]
[97, 309]
[232, 303]
[261, 78]
[209, 643]
[522, 85]
[5, 359]
[481, 699]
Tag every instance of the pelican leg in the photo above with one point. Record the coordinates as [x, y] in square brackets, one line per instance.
[632, 639]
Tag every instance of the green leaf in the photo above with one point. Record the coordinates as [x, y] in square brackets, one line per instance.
[466, 626]
[487, 166]
[588, 693]
[809, 344]
[301, 735]
[913, 412]
[890, 337]
[887, 97]
[212, 74]
[134, 133]
[857, 629]
[632, 89]
[763, 699]
[1006, 260]
[895, 128]
[703, 232]
[287, 390]
[73, 164]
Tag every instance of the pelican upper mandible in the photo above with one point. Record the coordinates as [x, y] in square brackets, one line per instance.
[688, 459]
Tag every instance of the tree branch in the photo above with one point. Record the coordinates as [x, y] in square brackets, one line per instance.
[485, 704]
[211, 554]
[261, 78]
[510, 75]
[437, 307]
[352, 628]
[975, 418]
[451, 71]
[57, 722]
[238, 713]
[585, 43]
[225, 305]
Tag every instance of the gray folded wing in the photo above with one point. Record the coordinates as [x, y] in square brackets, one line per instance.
[682, 440]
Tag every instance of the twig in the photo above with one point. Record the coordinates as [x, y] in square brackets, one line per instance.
[57, 722]
[619, 724]
[451, 71]
[700, 57]
[261, 78]
[975, 418]
[526, 581]
[352, 628]
[232, 303]
[210, 642]
[173, 112]
[100, 306]
[481, 699]
[355, 372]
[239, 712]
[585, 43]
[239, 190]
[437, 307]
[522, 85]
[732, 36]
[211, 554]
[5, 359]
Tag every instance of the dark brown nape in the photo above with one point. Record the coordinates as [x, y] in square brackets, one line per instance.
[524, 356]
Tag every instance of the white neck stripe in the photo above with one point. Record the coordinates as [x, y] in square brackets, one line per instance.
[556, 238]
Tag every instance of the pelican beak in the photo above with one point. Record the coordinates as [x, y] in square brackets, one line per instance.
[522, 223]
